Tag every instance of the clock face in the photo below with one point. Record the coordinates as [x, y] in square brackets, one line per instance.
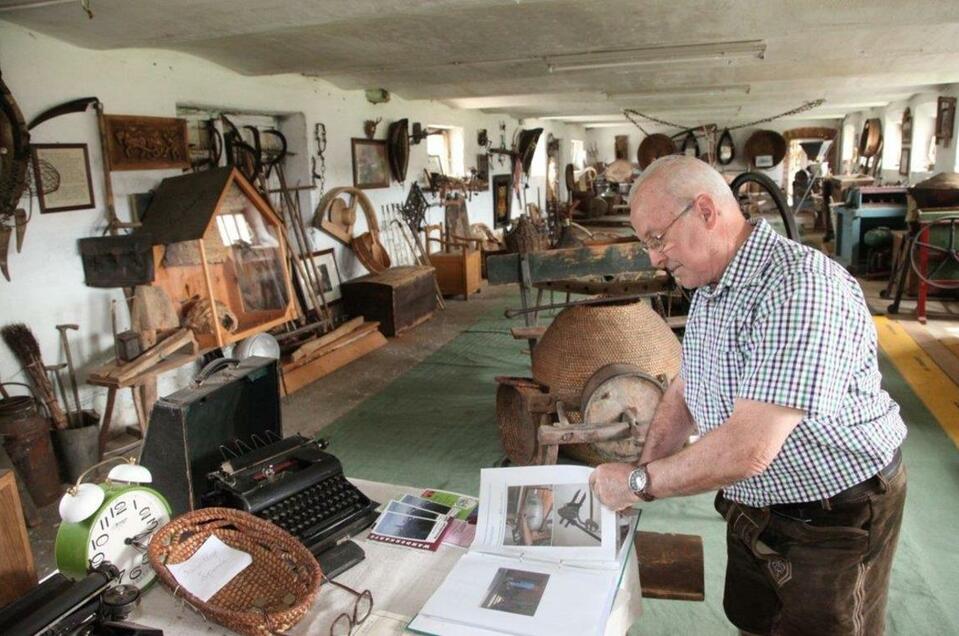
[121, 530]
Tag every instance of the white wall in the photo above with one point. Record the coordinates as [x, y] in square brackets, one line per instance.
[923, 109]
[47, 287]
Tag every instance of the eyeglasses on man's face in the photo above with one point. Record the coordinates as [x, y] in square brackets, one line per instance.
[345, 623]
[658, 241]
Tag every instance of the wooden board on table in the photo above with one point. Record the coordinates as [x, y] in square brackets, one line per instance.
[295, 377]
[671, 566]
[163, 356]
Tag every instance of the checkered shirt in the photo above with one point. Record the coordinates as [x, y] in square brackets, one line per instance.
[786, 325]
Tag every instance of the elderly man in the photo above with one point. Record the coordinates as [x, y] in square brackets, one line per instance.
[779, 377]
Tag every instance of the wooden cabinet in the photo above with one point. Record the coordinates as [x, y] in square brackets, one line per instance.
[17, 570]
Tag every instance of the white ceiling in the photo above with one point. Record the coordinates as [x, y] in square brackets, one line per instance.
[493, 54]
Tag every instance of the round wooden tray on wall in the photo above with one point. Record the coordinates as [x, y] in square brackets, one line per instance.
[871, 138]
[653, 147]
[764, 143]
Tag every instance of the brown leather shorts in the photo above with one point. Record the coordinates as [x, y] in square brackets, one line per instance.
[814, 568]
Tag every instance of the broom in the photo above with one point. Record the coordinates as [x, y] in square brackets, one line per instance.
[24, 345]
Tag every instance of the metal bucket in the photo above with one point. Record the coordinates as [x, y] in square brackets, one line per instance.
[78, 449]
[26, 438]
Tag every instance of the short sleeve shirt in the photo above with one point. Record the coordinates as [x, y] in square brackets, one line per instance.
[786, 325]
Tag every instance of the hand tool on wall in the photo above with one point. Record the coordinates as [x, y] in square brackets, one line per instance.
[14, 164]
[73, 373]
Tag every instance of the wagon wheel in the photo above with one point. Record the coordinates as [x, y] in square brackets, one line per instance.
[570, 175]
[951, 252]
[775, 196]
[245, 157]
[336, 213]
[272, 152]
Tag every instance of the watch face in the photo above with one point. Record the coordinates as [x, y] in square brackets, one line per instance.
[637, 480]
[121, 530]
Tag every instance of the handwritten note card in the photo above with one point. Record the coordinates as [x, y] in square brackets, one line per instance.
[210, 568]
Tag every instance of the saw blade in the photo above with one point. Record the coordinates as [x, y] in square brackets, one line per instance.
[20, 218]
[5, 233]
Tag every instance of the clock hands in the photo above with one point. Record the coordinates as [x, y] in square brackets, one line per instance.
[136, 540]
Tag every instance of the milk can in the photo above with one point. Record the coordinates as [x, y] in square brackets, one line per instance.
[26, 438]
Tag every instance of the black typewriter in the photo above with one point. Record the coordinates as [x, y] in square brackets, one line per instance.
[293, 483]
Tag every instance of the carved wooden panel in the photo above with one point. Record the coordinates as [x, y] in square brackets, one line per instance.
[146, 143]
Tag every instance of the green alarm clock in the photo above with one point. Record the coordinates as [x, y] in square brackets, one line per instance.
[112, 522]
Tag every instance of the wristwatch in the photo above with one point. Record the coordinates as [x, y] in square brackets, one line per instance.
[639, 483]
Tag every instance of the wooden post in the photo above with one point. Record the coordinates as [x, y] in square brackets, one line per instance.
[217, 328]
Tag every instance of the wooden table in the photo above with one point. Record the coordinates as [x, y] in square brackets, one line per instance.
[143, 386]
[400, 579]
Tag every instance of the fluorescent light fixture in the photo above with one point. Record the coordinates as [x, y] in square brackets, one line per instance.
[682, 91]
[603, 117]
[717, 51]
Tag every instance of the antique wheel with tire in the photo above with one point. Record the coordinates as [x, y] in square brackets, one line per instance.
[946, 255]
[776, 197]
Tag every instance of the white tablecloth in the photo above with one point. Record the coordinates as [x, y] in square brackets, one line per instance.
[400, 579]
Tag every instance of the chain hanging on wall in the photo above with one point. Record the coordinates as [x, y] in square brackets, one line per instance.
[631, 114]
[319, 161]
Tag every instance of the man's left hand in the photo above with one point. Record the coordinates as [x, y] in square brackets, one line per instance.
[610, 482]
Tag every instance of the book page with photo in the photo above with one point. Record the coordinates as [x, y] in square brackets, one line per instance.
[543, 545]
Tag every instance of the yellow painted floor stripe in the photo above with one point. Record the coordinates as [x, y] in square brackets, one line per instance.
[922, 374]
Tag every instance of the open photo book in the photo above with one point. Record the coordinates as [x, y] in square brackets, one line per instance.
[547, 559]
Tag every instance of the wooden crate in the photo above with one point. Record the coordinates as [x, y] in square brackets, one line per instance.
[458, 273]
[399, 299]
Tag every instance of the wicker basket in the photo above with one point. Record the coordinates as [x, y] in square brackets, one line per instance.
[271, 595]
[584, 338]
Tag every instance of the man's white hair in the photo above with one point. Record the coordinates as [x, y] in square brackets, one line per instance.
[684, 178]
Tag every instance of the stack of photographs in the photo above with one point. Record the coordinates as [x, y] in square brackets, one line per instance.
[413, 522]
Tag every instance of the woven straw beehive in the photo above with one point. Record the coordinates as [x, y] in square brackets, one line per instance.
[586, 337]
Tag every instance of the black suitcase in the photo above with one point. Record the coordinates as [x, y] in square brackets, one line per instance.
[194, 430]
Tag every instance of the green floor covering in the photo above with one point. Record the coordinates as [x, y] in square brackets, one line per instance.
[435, 426]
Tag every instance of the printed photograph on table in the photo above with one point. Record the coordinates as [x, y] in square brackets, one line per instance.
[578, 517]
[413, 511]
[400, 526]
[516, 591]
[529, 516]
[371, 169]
[420, 502]
[561, 515]
[325, 261]
[61, 177]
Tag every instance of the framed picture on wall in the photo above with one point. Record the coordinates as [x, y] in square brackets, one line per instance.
[482, 166]
[502, 199]
[764, 161]
[371, 169]
[945, 119]
[904, 156]
[62, 175]
[325, 262]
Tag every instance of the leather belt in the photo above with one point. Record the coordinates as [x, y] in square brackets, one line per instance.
[853, 493]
